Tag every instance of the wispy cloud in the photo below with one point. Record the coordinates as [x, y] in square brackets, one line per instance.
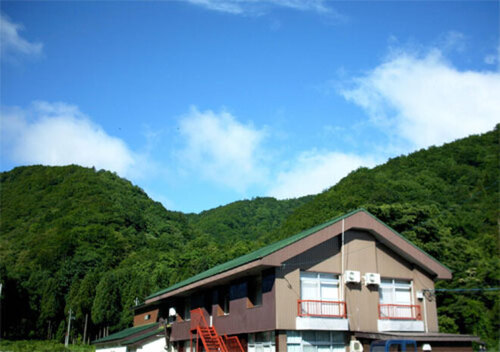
[221, 149]
[60, 134]
[314, 171]
[259, 7]
[12, 44]
[422, 99]
[493, 59]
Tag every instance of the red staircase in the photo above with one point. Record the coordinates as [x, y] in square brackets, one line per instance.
[211, 341]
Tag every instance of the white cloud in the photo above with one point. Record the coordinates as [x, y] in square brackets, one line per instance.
[12, 43]
[255, 7]
[60, 134]
[315, 171]
[222, 149]
[493, 58]
[423, 100]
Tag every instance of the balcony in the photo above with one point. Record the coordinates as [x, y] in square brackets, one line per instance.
[325, 309]
[399, 312]
[313, 314]
[399, 317]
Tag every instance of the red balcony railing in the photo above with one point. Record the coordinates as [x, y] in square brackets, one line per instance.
[399, 311]
[327, 309]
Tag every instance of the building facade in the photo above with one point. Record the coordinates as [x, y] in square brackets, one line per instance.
[335, 287]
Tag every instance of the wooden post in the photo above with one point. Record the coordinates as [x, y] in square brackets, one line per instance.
[85, 328]
[66, 341]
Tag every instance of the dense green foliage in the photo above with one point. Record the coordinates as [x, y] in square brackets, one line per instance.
[88, 240]
[246, 220]
[78, 238]
[42, 346]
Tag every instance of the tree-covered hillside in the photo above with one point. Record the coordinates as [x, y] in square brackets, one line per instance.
[73, 237]
[248, 220]
[89, 240]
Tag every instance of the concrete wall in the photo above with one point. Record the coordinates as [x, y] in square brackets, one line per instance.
[361, 253]
[157, 345]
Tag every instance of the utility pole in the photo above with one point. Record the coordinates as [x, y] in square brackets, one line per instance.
[66, 341]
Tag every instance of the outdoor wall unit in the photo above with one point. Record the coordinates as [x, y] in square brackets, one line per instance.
[372, 279]
[351, 276]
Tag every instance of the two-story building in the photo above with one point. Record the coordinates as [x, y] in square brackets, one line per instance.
[334, 287]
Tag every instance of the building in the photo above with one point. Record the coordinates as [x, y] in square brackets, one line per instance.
[334, 287]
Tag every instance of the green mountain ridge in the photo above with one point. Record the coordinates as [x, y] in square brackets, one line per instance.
[246, 218]
[74, 237]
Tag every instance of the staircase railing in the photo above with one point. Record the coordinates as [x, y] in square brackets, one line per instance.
[233, 344]
[209, 337]
[198, 319]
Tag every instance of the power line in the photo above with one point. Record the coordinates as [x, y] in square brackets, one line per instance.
[475, 289]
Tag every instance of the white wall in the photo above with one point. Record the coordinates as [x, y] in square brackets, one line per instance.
[112, 349]
[153, 346]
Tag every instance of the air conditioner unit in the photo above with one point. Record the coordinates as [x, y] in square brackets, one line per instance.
[355, 346]
[372, 279]
[352, 276]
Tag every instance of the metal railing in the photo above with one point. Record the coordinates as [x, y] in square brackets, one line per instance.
[327, 309]
[198, 319]
[399, 312]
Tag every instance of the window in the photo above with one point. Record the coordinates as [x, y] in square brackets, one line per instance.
[395, 291]
[396, 300]
[319, 295]
[319, 286]
[315, 341]
[147, 317]
[255, 292]
[261, 342]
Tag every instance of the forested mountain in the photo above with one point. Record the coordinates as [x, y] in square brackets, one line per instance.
[248, 220]
[90, 240]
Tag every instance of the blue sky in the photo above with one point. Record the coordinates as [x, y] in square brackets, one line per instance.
[205, 102]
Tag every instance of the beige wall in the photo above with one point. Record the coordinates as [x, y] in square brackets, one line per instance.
[322, 258]
[361, 253]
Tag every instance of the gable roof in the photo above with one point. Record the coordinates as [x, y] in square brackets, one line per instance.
[418, 254]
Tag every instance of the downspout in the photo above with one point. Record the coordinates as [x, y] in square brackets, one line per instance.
[426, 328]
[342, 264]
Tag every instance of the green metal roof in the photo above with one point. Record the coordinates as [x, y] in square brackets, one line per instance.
[250, 257]
[125, 333]
[262, 252]
[142, 337]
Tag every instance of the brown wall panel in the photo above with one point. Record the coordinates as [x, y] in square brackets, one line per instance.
[241, 319]
[139, 319]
